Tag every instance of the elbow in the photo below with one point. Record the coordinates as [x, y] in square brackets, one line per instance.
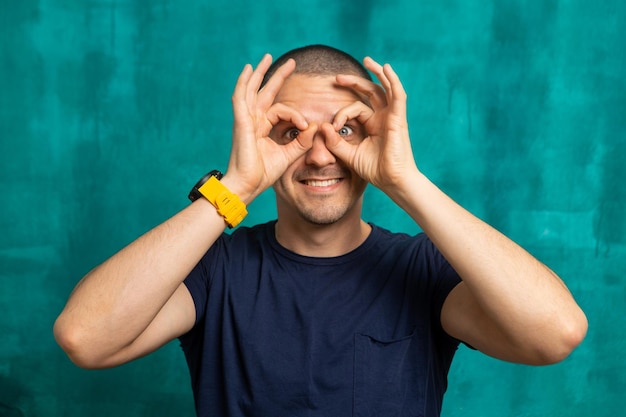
[71, 339]
[564, 340]
[573, 335]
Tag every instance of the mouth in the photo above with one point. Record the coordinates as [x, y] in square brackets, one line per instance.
[321, 183]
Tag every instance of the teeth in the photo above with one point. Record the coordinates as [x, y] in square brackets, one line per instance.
[321, 183]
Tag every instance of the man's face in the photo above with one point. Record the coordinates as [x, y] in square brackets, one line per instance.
[317, 187]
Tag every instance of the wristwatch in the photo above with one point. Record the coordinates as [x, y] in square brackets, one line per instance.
[228, 205]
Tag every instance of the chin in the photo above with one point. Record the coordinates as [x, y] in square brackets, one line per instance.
[321, 219]
[324, 216]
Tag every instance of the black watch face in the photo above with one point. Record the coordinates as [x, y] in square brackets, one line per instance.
[194, 194]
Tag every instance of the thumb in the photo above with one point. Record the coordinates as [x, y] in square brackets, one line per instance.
[302, 143]
[336, 144]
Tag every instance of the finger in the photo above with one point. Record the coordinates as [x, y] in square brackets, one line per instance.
[269, 91]
[239, 94]
[379, 72]
[336, 144]
[395, 85]
[256, 78]
[374, 93]
[282, 119]
[302, 143]
[398, 103]
[357, 110]
[389, 79]
[281, 112]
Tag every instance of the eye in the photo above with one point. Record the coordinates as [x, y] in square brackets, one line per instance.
[345, 131]
[291, 134]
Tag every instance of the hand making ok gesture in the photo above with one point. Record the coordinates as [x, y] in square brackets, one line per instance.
[384, 157]
[256, 160]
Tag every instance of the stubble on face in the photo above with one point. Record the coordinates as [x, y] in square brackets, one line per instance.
[320, 209]
[318, 188]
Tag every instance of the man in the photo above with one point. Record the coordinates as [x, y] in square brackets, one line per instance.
[319, 312]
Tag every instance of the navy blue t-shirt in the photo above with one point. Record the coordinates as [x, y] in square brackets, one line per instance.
[278, 334]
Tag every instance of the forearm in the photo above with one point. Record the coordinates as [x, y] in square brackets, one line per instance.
[476, 250]
[118, 300]
[520, 296]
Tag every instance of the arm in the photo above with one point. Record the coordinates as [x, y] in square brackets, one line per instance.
[508, 305]
[136, 301]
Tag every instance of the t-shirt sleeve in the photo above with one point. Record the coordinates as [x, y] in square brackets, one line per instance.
[198, 281]
[444, 279]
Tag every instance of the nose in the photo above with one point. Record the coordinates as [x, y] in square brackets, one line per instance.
[319, 155]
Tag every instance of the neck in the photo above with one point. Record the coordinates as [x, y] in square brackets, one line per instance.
[322, 241]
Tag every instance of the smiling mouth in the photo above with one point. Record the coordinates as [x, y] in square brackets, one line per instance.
[321, 183]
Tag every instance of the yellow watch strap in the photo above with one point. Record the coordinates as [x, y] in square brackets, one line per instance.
[228, 205]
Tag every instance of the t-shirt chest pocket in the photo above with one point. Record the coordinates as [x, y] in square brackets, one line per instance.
[388, 378]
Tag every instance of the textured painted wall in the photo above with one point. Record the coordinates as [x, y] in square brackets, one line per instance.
[111, 109]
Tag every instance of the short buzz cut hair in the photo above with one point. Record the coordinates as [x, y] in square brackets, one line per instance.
[319, 60]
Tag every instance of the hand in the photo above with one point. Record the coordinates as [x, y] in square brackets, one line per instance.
[384, 157]
[256, 161]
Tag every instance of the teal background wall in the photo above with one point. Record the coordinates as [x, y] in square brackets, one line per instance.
[111, 109]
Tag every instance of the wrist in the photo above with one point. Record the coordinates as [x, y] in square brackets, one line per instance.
[228, 204]
[238, 187]
[407, 189]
